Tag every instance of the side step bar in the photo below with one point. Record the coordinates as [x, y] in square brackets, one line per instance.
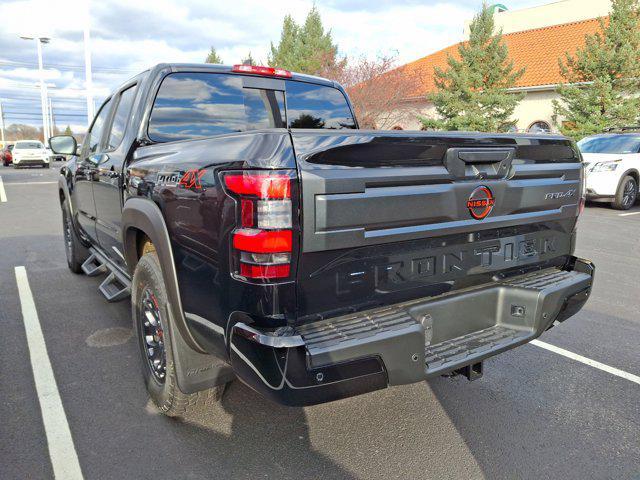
[93, 266]
[115, 288]
[117, 285]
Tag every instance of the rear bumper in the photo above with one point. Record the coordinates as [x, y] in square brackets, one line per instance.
[31, 162]
[409, 342]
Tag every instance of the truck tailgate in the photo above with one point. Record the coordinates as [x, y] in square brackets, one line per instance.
[388, 216]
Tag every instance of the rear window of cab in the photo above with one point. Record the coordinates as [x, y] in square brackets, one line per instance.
[193, 105]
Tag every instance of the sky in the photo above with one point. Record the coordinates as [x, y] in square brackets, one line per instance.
[127, 37]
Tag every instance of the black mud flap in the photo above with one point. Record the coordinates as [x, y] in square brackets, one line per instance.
[196, 371]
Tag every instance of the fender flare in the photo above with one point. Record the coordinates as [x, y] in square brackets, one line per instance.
[144, 215]
[195, 368]
[630, 172]
[64, 186]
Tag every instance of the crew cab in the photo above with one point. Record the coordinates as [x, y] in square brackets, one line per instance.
[260, 235]
[27, 153]
[612, 166]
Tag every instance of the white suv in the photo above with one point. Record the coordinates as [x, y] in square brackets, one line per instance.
[612, 166]
[30, 152]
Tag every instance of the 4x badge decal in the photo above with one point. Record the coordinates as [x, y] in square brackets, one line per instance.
[191, 179]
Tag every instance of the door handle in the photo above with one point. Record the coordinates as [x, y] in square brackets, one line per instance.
[109, 172]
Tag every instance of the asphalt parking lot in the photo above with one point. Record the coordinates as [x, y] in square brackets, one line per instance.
[534, 414]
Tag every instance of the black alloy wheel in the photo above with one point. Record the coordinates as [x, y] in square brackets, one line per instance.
[152, 337]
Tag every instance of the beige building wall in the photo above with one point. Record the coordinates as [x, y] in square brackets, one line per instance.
[535, 106]
[556, 13]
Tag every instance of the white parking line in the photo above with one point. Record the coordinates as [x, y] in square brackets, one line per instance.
[62, 452]
[627, 214]
[3, 194]
[587, 361]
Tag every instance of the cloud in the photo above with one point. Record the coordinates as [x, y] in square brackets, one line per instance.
[128, 37]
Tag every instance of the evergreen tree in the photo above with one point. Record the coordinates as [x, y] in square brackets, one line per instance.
[307, 48]
[318, 49]
[472, 92]
[286, 54]
[248, 60]
[603, 78]
[67, 131]
[213, 57]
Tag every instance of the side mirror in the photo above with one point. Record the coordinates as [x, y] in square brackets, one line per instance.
[63, 144]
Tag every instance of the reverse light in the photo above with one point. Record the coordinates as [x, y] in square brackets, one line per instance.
[262, 245]
[260, 70]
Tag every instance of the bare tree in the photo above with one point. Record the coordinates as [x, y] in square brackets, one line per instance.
[376, 89]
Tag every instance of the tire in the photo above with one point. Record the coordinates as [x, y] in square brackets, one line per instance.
[75, 251]
[149, 297]
[627, 194]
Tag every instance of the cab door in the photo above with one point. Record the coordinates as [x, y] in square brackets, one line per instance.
[86, 173]
[107, 187]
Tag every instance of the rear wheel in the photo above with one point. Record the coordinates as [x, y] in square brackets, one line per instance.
[150, 318]
[76, 252]
[627, 194]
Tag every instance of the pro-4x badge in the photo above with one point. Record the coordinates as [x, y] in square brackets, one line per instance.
[481, 202]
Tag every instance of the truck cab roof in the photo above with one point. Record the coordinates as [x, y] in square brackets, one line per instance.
[210, 67]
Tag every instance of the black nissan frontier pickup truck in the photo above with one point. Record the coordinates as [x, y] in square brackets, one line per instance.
[261, 235]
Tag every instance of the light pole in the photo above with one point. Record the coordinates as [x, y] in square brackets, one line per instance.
[2, 125]
[43, 93]
[52, 122]
[87, 65]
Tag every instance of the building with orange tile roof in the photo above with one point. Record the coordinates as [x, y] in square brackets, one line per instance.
[536, 49]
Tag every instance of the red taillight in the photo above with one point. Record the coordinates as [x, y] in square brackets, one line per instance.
[262, 241]
[260, 70]
[262, 244]
[247, 212]
[260, 185]
[264, 271]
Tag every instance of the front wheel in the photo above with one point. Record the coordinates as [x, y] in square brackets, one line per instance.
[150, 318]
[627, 194]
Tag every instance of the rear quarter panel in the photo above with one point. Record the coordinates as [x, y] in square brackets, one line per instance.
[182, 178]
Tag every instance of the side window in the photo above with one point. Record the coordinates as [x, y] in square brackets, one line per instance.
[123, 111]
[97, 128]
[195, 105]
[317, 106]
